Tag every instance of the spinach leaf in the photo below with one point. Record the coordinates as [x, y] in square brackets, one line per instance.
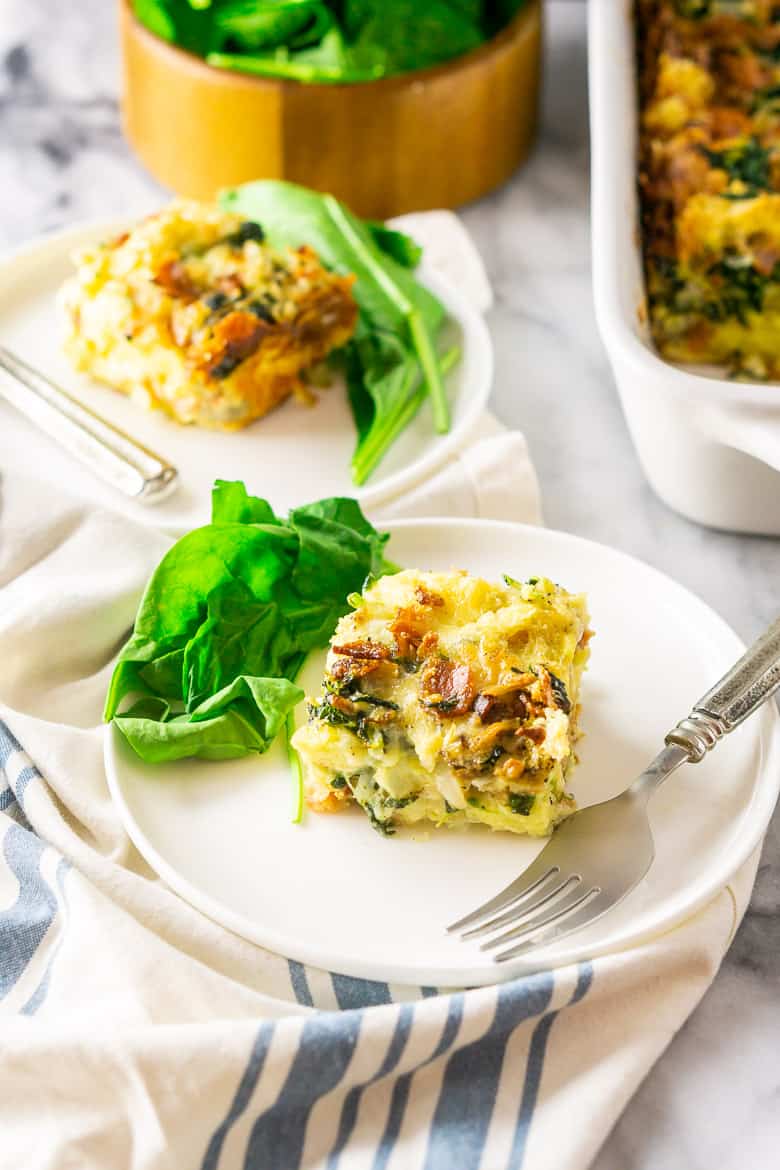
[155, 15]
[382, 381]
[521, 803]
[245, 24]
[242, 718]
[317, 53]
[371, 391]
[394, 349]
[187, 24]
[747, 163]
[401, 247]
[416, 36]
[339, 41]
[232, 504]
[227, 619]
[325, 61]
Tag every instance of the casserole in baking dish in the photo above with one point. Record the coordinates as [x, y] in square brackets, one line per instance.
[709, 180]
[709, 444]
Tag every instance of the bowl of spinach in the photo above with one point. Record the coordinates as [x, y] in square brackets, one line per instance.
[390, 105]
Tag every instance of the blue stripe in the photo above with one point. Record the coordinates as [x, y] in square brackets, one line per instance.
[300, 984]
[428, 992]
[324, 1052]
[7, 798]
[402, 1086]
[42, 990]
[15, 812]
[243, 1095]
[584, 981]
[22, 780]
[535, 1066]
[349, 1111]
[8, 745]
[359, 993]
[24, 924]
[465, 1107]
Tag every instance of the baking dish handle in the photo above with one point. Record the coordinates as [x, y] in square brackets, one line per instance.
[754, 434]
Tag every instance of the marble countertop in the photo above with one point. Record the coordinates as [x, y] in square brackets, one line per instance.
[713, 1100]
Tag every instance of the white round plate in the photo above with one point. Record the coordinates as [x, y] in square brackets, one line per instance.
[293, 455]
[334, 893]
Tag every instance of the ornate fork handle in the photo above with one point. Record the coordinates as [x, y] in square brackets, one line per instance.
[749, 683]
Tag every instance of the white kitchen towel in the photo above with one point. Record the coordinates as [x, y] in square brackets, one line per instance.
[136, 1033]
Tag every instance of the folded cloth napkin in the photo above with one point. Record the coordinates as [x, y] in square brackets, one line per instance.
[136, 1033]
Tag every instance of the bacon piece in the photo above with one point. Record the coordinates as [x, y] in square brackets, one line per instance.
[495, 708]
[236, 337]
[746, 72]
[405, 628]
[535, 734]
[509, 700]
[230, 285]
[432, 600]
[447, 688]
[373, 650]
[428, 645]
[765, 259]
[349, 668]
[545, 689]
[728, 122]
[174, 278]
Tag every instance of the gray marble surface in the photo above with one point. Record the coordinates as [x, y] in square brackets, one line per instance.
[713, 1100]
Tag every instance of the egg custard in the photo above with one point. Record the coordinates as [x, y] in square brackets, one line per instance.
[448, 699]
[710, 180]
[192, 312]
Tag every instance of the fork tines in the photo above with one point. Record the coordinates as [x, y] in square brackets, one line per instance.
[542, 900]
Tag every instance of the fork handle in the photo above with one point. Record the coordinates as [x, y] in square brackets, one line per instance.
[741, 691]
[107, 451]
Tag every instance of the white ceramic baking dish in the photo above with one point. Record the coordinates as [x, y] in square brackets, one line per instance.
[709, 447]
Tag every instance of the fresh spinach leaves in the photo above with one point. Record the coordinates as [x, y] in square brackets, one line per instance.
[326, 40]
[392, 361]
[227, 620]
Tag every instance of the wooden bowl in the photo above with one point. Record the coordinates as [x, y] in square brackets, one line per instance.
[437, 137]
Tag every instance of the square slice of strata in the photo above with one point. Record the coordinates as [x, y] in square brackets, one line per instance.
[449, 699]
[192, 312]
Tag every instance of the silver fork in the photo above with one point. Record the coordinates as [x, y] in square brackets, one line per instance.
[108, 452]
[576, 878]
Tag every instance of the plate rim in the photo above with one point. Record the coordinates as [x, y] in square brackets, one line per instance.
[469, 319]
[762, 801]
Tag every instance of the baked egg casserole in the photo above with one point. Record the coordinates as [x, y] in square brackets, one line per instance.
[448, 699]
[710, 180]
[192, 312]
